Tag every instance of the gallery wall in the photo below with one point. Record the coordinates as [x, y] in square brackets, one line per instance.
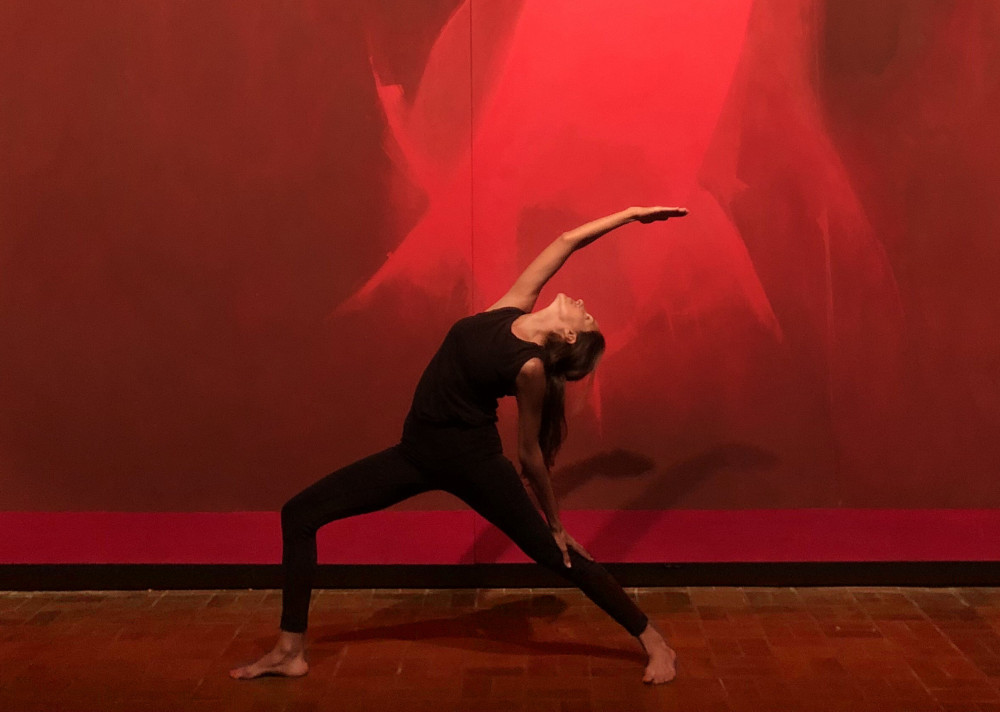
[232, 234]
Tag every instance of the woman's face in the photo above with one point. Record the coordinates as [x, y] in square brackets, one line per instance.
[572, 314]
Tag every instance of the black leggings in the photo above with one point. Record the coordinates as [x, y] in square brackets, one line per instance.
[472, 468]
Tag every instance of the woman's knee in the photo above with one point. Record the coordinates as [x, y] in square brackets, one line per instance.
[549, 555]
[581, 571]
[552, 559]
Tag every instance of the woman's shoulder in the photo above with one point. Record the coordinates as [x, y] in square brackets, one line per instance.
[532, 369]
[529, 384]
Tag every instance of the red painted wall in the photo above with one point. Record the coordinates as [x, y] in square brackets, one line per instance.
[232, 233]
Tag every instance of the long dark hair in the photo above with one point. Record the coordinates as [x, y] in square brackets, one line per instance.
[564, 361]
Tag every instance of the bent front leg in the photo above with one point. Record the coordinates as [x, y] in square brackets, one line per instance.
[370, 484]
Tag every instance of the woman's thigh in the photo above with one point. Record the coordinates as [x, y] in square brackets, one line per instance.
[372, 483]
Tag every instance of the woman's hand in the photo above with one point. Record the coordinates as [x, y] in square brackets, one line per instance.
[648, 215]
[565, 542]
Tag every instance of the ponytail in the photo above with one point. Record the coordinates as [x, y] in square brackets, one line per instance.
[564, 362]
[553, 428]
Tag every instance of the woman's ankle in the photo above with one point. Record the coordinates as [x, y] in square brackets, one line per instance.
[291, 643]
[651, 635]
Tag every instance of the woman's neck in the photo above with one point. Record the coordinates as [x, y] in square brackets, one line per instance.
[532, 327]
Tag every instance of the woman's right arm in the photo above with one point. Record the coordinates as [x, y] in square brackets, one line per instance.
[526, 289]
[530, 394]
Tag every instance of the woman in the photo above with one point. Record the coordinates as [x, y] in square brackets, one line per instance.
[450, 442]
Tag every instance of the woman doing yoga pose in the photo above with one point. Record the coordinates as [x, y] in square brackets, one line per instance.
[450, 442]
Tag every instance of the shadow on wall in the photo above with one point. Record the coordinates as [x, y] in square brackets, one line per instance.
[669, 486]
[614, 464]
[684, 476]
[615, 537]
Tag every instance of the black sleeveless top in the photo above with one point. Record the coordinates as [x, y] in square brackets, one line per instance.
[476, 365]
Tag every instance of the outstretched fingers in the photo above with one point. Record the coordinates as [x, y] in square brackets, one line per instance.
[654, 214]
[578, 548]
[565, 542]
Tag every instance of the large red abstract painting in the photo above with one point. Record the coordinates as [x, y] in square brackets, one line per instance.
[232, 234]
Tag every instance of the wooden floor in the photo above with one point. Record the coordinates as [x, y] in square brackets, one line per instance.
[879, 649]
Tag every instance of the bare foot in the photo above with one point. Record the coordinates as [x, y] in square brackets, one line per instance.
[660, 668]
[274, 663]
[287, 659]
